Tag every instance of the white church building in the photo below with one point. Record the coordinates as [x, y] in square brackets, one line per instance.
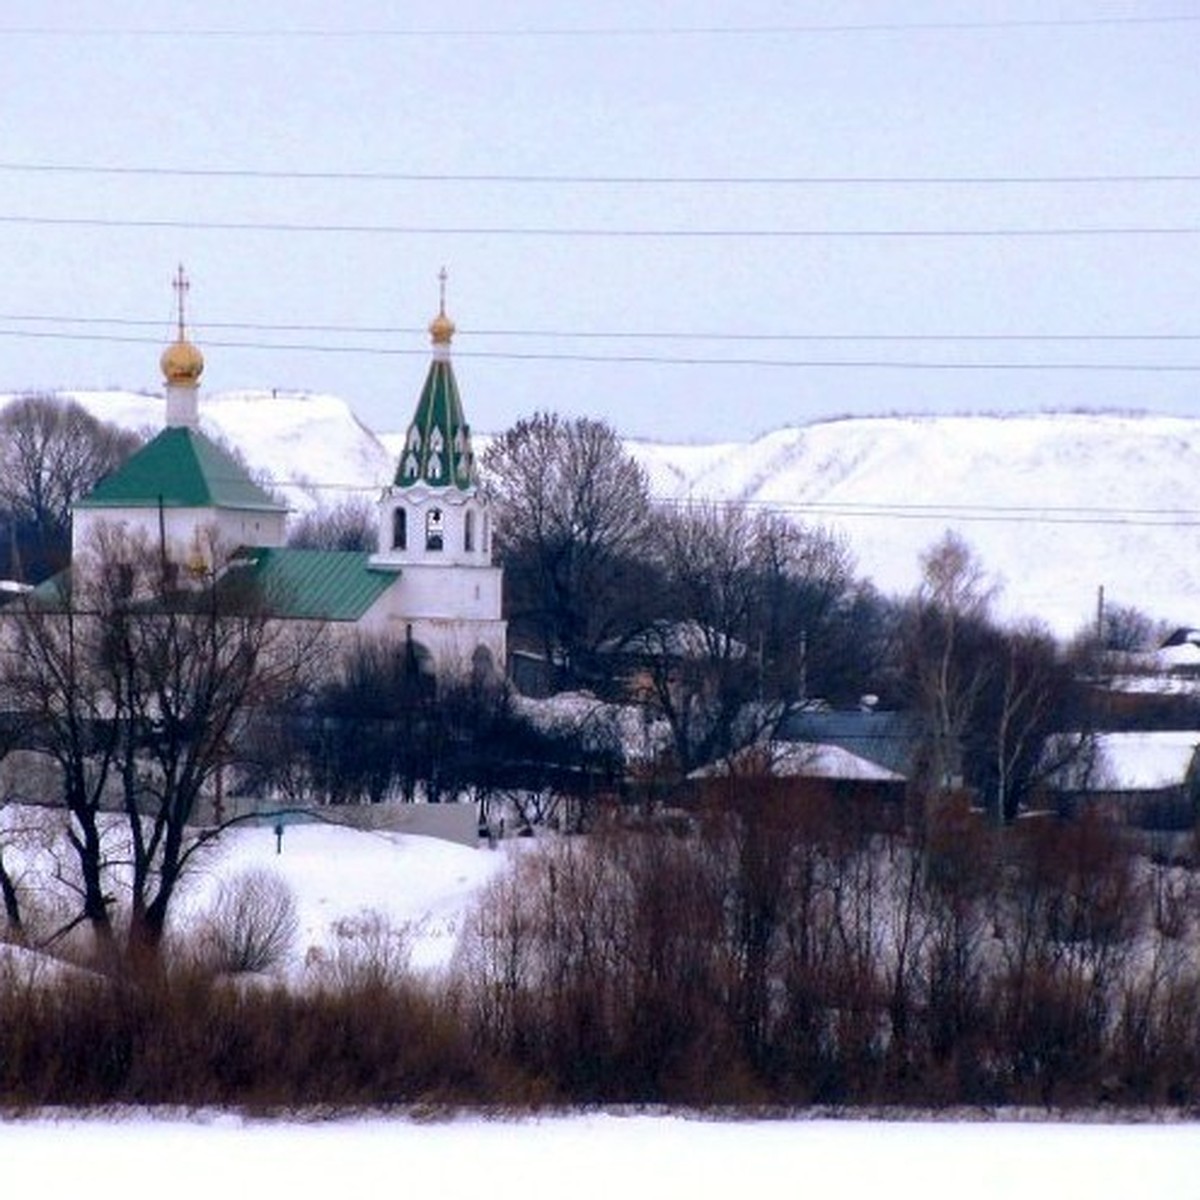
[431, 582]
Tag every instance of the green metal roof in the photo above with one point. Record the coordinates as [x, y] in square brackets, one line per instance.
[437, 449]
[314, 585]
[180, 468]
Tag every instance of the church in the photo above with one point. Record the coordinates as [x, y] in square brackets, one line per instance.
[431, 582]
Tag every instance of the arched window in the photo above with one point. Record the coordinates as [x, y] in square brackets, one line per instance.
[469, 530]
[433, 529]
[483, 542]
[399, 529]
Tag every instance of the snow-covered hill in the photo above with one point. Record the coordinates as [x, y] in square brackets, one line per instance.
[1056, 505]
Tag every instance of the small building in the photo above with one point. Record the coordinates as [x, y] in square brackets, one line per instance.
[889, 740]
[1146, 779]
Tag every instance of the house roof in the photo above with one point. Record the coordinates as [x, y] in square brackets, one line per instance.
[1146, 760]
[180, 468]
[888, 739]
[810, 760]
[314, 585]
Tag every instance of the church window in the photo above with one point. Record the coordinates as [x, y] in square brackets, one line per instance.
[469, 531]
[483, 541]
[434, 530]
[399, 529]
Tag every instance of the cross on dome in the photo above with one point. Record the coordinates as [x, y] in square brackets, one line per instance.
[181, 285]
[441, 328]
[182, 363]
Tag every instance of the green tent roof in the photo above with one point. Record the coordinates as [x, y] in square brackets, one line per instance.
[180, 468]
[314, 585]
[437, 448]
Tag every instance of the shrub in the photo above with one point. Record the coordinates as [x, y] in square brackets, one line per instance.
[252, 925]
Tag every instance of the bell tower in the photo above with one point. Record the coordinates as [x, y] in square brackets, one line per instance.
[435, 522]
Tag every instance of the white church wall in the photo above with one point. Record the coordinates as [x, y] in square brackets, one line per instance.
[184, 529]
[437, 592]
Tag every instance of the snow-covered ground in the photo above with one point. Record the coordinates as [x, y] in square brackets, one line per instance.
[602, 1156]
[341, 878]
[350, 884]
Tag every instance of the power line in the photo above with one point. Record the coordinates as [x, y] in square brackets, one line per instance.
[634, 359]
[589, 232]
[607, 334]
[1022, 514]
[586, 180]
[991, 514]
[598, 31]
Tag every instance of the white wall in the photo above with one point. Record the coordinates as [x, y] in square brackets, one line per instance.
[232, 527]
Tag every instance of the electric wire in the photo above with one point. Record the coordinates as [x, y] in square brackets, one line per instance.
[634, 359]
[573, 180]
[594, 232]
[605, 334]
[594, 32]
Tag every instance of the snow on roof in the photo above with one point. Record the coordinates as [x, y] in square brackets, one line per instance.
[1185, 654]
[810, 760]
[1145, 760]
[597, 721]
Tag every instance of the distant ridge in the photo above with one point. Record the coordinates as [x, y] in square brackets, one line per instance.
[1055, 504]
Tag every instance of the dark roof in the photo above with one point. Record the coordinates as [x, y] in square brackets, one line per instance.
[180, 468]
[315, 585]
[888, 739]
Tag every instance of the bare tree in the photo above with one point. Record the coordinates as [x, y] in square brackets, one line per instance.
[51, 643]
[745, 595]
[138, 679]
[572, 509]
[697, 654]
[52, 452]
[946, 676]
[1000, 708]
[1030, 723]
[350, 525]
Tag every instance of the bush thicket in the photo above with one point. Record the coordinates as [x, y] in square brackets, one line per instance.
[776, 949]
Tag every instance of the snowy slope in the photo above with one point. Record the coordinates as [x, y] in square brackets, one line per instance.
[346, 882]
[1056, 505]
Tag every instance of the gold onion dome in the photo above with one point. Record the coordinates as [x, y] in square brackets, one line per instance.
[441, 329]
[182, 363]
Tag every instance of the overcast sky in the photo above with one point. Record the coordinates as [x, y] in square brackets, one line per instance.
[754, 183]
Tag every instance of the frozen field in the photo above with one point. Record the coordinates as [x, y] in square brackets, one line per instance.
[614, 1157]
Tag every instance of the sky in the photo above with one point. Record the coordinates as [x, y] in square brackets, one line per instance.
[696, 221]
